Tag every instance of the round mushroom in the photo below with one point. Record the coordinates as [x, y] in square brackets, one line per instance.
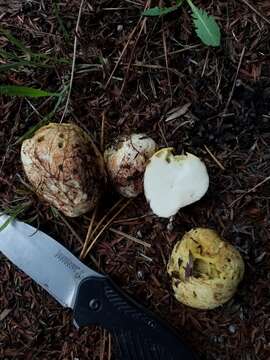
[174, 181]
[205, 269]
[64, 167]
[126, 159]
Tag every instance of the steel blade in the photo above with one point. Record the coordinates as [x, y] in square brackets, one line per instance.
[42, 258]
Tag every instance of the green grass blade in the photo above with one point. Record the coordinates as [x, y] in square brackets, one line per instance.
[34, 59]
[206, 26]
[160, 11]
[7, 222]
[28, 134]
[56, 12]
[4, 67]
[15, 65]
[14, 211]
[7, 55]
[13, 90]
[12, 217]
[16, 42]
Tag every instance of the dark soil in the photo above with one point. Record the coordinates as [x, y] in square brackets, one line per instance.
[228, 89]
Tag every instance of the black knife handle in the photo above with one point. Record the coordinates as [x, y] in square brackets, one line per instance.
[139, 335]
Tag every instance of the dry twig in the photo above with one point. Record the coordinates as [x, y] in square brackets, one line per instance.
[214, 158]
[250, 190]
[256, 11]
[73, 60]
[88, 235]
[234, 82]
[130, 237]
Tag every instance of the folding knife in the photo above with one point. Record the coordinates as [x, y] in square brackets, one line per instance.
[94, 298]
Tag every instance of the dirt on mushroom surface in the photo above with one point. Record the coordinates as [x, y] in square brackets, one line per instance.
[213, 102]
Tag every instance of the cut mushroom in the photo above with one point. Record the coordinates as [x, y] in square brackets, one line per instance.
[174, 181]
[126, 160]
[64, 167]
[205, 270]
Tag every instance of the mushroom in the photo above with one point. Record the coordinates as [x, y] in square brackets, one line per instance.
[126, 159]
[64, 167]
[174, 181]
[205, 269]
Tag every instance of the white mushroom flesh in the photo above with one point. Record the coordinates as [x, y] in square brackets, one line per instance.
[174, 181]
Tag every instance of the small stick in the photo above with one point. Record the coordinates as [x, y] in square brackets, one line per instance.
[131, 57]
[130, 237]
[103, 342]
[122, 54]
[162, 134]
[250, 190]
[214, 158]
[109, 347]
[177, 51]
[205, 63]
[146, 257]
[106, 226]
[256, 11]
[70, 227]
[102, 132]
[124, 50]
[106, 215]
[76, 236]
[234, 82]
[88, 235]
[73, 60]
[167, 63]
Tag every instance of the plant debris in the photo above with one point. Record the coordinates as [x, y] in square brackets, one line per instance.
[161, 66]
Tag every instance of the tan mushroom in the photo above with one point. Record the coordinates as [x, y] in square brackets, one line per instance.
[126, 159]
[64, 167]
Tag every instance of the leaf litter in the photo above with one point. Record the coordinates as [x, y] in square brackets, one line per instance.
[37, 327]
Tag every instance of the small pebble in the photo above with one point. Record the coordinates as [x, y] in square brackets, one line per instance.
[140, 275]
[170, 224]
[232, 329]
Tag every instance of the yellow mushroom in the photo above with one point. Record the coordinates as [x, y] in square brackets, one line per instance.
[205, 269]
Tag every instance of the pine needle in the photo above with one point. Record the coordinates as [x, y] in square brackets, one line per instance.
[106, 226]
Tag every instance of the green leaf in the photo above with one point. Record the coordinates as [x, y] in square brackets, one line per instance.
[206, 26]
[13, 90]
[160, 11]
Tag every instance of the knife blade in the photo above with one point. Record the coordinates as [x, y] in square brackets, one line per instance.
[94, 298]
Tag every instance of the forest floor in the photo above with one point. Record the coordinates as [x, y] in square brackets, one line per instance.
[131, 75]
